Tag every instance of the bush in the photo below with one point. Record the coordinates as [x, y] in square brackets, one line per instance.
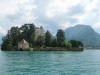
[69, 46]
[64, 44]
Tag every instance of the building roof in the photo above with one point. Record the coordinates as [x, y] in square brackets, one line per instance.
[23, 42]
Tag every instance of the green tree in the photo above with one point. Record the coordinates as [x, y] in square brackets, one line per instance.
[40, 41]
[14, 33]
[76, 43]
[61, 38]
[7, 44]
[54, 42]
[47, 39]
[63, 44]
[69, 46]
[25, 33]
[32, 34]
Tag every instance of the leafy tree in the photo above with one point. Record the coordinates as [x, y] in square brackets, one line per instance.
[14, 34]
[40, 41]
[60, 37]
[6, 45]
[47, 38]
[28, 33]
[76, 43]
[63, 44]
[32, 34]
[7, 42]
[69, 46]
[54, 42]
[25, 33]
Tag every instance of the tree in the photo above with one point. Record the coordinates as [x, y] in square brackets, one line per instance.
[63, 44]
[25, 33]
[7, 42]
[32, 35]
[40, 41]
[69, 46]
[47, 38]
[14, 33]
[6, 45]
[54, 42]
[60, 37]
[76, 43]
[28, 33]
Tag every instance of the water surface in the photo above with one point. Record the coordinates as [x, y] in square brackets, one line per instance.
[50, 62]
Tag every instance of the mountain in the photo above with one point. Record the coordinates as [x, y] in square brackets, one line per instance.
[84, 33]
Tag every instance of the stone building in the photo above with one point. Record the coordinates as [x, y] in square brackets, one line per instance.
[39, 31]
[23, 45]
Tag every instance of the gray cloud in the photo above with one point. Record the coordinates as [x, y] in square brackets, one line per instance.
[20, 16]
[72, 20]
[15, 17]
[76, 10]
[51, 24]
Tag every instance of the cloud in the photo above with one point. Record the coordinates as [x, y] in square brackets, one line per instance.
[23, 14]
[54, 15]
[96, 25]
[51, 14]
[76, 10]
[2, 31]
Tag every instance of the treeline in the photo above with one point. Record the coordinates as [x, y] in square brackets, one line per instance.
[27, 32]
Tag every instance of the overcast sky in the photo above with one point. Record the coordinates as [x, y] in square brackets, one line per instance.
[51, 14]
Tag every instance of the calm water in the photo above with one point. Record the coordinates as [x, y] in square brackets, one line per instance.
[50, 63]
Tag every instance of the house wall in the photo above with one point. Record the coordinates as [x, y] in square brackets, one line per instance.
[23, 46]
[40, 31]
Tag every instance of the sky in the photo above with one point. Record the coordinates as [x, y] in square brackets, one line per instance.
[51, 14]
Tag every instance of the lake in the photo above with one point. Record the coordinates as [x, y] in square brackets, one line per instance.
[50, 62]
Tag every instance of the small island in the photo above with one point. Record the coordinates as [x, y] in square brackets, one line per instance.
[31, 38]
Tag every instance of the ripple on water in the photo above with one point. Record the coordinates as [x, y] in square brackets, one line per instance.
[50, 63]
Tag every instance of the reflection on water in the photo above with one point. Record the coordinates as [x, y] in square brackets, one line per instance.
[50, 63]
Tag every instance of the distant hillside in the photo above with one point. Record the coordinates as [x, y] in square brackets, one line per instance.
[84, 33]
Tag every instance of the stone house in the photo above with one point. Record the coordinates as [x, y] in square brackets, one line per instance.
[23, 45]
[39, 31]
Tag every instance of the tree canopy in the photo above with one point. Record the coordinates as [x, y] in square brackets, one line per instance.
[76, 43]
[28, 32]
[15, 34]
[47, 39]
[61, 38]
